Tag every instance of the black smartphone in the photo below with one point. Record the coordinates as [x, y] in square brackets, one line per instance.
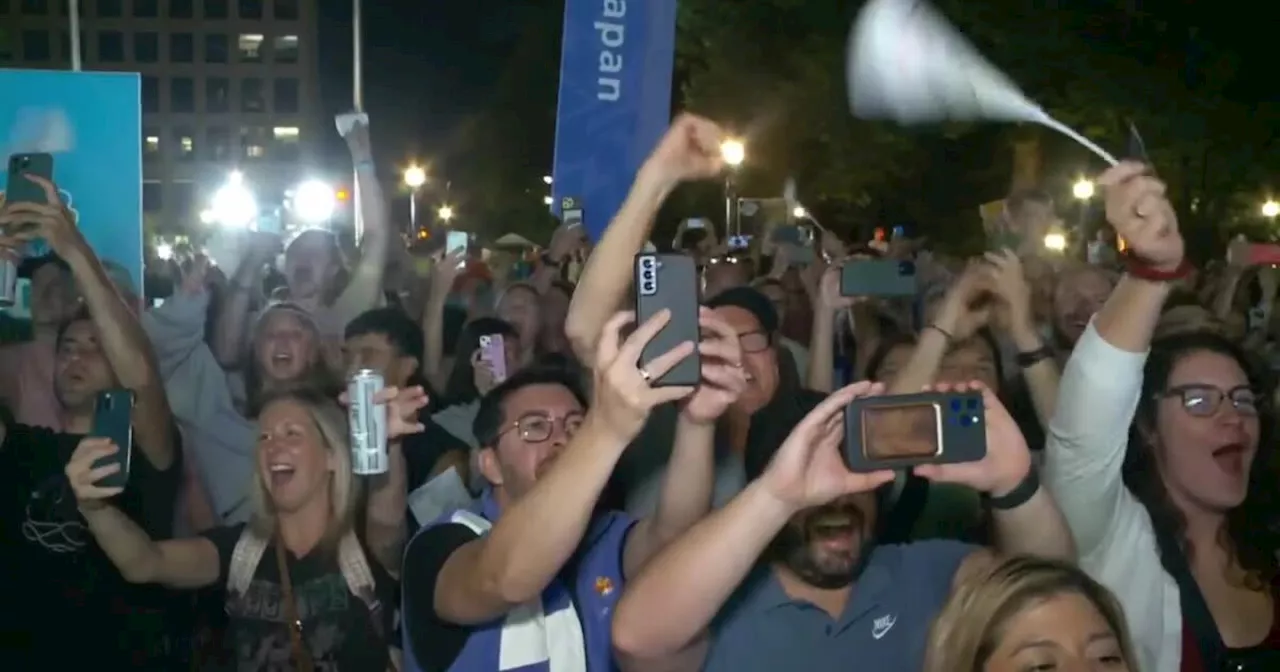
[904, 430]
[878, 277]
[19, 189]
[669, 281]
[113, 419]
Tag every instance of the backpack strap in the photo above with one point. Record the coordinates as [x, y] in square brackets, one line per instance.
[1195, 611]
[244, 562]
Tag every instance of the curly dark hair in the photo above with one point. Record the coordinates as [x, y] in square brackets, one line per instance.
[1250, 535]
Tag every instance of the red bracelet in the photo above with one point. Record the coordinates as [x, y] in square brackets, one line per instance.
[1140, 269]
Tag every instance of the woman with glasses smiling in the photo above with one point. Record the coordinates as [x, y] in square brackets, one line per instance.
[1159, 456]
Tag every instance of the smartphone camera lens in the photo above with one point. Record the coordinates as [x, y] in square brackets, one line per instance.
[966, 420]
[906, 268]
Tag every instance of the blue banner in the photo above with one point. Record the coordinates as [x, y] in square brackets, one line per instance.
[615, 100]
[91, 122]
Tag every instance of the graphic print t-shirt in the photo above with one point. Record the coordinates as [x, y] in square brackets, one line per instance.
[338, 628]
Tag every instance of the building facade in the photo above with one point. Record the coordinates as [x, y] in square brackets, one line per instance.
[226, 85]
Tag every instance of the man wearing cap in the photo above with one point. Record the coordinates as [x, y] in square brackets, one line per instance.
[62, 586]
[26, 369]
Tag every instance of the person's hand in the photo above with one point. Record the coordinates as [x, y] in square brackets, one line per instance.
[964, 309]
[1142, 215]
[483, 375]
[358, 143]
[402, 406]
[1007, 461]
[829, 294]
[624, 393]
[195, 276]
[690, 150]
[262, 247]
[830, 245]
[445, 272]
[53, 221]
[565, 241]
[809, 468]
[84, 477]
[1006, 277]
[723, 378]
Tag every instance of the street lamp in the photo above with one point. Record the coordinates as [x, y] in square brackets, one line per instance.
[445, 213]
[733, 152]
[234, 205]
[314, 202]
[414, 178]
[547, 200]
[1082, 189]
[546, 179]
[1271, 209]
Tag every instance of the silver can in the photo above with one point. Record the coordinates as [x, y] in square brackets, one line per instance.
[368, 422]
[8, 282]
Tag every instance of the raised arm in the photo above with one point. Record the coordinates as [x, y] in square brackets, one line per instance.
[120, 334]
[443, 275]
[959, 318]
[1103, 379]
[364, 288]
[179, 563]
[690, 150]
[1016, 319]
[538, 532]
[232, 320]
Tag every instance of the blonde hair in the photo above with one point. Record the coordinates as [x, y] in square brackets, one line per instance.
[972, 622]
[344, 488]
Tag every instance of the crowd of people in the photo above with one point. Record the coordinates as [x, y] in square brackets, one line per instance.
[1121, 518]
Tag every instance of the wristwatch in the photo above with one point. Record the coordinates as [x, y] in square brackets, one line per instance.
[1018, 496]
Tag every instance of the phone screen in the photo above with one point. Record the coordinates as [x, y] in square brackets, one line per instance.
[457, 242]
[890, 432]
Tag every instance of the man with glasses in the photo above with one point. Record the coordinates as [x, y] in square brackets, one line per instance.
[527, 578]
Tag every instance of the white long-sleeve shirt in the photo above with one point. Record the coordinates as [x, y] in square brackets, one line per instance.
[1088, 436]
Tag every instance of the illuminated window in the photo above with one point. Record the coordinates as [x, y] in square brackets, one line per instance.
[250, 48]
[285, 49]
[185, 138]
[151, 144]
[254, 141]
[285, 143]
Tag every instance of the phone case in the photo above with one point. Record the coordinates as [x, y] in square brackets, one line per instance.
[113, 419]
[19, 189]
[878, 277]
[953, 431]
[493, 351]
[669, 281]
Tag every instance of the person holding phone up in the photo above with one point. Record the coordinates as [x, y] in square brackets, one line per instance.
[61, 583]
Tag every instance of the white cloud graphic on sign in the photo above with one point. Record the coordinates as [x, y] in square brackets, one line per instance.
[40, 129]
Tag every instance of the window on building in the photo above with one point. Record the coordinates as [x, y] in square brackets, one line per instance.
[184, 142]
[111, 46]
[35, 46]
[286, 96]
[219, 143]
[216, 9]
[35, 7]
[110, 9]
[146, 47]
[182, 94]
[253, 95]
[249, 48]
[254, 141]
[216, 48]
[182, 9]
[150, 94]
[150, 144]
[182, 48]
[64, 48]
[152, 196]
[286, 10]
[250, 9]
[285, 49]
[285, 141]
[217, 94]
[181, 197]
[146, 9]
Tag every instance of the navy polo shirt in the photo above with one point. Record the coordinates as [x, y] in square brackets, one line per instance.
[884, 626]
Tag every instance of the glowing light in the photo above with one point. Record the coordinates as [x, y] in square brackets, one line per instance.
[164, 251]
[445, 213]
[234, 205]
[314, 202]
[1270, 209]
[1055, 242]
[733, 152]
[1082, 189]
[546, 179]
[415, 176]
[547, 200]
[799, 212]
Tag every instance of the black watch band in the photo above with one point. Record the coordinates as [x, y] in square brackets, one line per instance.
[1018, 496]
[1029, 359]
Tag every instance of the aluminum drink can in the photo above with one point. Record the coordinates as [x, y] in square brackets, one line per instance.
[8, 282]
[368, 421]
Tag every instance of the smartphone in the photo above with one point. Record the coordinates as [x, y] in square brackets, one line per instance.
[21, 190]
[739, 242]
[572, 217]
[113, 419]
[904, 430]
[493, 352]
[669, 281]
[1004, 240]
[457, 242]
[270, 223]
[791, 235]
[695, 223]
[878, 277]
